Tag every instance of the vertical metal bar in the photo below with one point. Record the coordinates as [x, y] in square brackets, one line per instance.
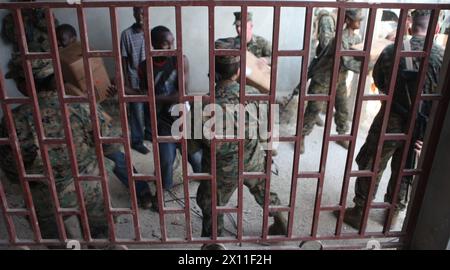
[38, 123]
[94, 121]
[398, 46]
[153, 123]
[3, 201]
[212, 94]
[181, 95]
[356, 116]
[66, 121]
[273, 84]
[300, 117]
[413, 113]
[326, 137]
[241, 130]
[123, 119]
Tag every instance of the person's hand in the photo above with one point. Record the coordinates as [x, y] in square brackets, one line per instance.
[418, 147]
[111, 91]
[261, 63]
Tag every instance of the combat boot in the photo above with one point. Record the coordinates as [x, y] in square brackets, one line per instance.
[353, 216]
[279, 226]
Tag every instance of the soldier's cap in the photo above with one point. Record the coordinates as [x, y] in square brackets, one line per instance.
[354, 13]
[420, 13]
[226, 59]
[237, 15]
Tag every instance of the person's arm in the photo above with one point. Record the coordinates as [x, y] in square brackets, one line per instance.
[381, 66]
[350, 62]
[326, 31]
[124, 53]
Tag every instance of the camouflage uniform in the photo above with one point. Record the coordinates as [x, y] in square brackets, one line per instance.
[320, 74]
[396, 124]
[227, 92]
[59, 160]
[37, 40]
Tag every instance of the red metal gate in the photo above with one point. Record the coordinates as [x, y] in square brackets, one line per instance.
[421, 173]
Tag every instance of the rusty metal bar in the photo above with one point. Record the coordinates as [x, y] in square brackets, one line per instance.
[181, 94]
[398, 46]
[329, 117]
[94, 120]
[124, 120]
[65, 116]
[153, 124]
[271, 120]
[212, 94]
[39, 129]
[423, 70]
[300, 118]
[241, 130]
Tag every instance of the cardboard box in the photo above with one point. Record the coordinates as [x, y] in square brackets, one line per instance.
[257, 73]
[73, 71]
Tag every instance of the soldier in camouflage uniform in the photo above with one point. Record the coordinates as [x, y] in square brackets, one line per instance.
[79, 115]
[227, 92]
[37, 40]
[320, 73]
[397, 122]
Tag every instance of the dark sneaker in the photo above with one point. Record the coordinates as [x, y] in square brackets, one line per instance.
[140, 148]
[148, 137]
[145, 200]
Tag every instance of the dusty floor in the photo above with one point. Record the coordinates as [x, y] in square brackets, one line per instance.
[252, 222]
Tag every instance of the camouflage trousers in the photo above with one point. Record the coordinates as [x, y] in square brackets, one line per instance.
[391, 149]
[313, 108]
[226, 186]
[67, 195]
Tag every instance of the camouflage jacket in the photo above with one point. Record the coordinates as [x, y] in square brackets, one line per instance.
[37, 40]
[259, 46]
[320, 68]
[383, 67]
[227, 93]
[82, 133]
[326, 30]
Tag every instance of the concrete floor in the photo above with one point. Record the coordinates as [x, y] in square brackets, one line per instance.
[252, 220]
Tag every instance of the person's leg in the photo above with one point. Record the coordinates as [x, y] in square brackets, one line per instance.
[137, 127]
[147, 126]
[195, 159]
[341, 114]
[167, 154]
[120, 170]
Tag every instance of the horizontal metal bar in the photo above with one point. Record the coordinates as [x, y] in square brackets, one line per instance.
[317, 97]
[171, 210]
[309, 175]
[380, 205]
[53, 141]
[200, 176]
[431, 97]
[121, 211]
[257, 98]
[99, 54]
[164, 53]
[279, 208]
[146, 178]
[411, 172]
[416, 54]
[361, 174]
[38, 55]
[4, 141]
[287, 53]
[18, 211]
[341, 138]
[256, 175]
[75, 99]
[168, 139]
[395, 137]
[287, 139]
[225, 209]
[89, 178]
[17, 100]
[354, 53]
[375, 97]
[36, 178]
[111, 140]
[69, 211]
[220, 52]
[331, 208]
